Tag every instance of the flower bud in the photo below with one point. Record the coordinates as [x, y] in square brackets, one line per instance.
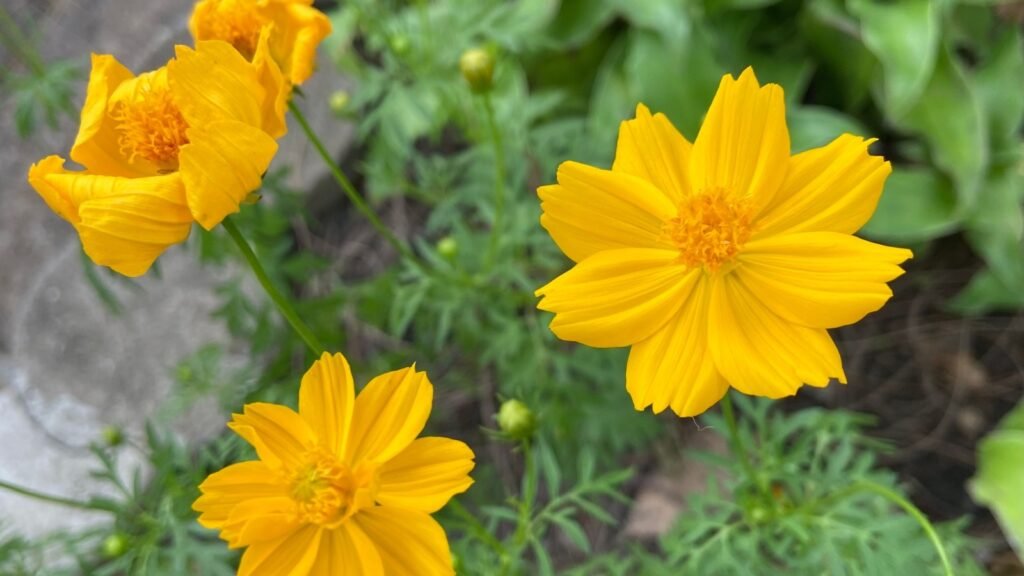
[339, 101]
[112, 436]
[477, 66]
[115, 545]
[515, 420]
[447, 247]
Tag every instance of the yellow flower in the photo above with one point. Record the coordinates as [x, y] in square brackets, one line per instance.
[344, 486]
[722, 262]
[187, 142]
[295, 29]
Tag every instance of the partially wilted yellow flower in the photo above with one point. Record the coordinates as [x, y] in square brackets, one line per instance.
[183, 143]
[295, 29]
[722, 262]
[343, 486]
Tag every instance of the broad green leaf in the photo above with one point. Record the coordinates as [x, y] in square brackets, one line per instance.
[813, 126]
[949, 117]
[1000, 87]
[846, 67]
[917, 204]
[578, 20]
[995, 226]
[986, 293]
[904, 36]
[1001, 475]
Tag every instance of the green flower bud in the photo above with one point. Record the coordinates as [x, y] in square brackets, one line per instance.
[515, 420]
[477, 66]
[115, 545]
[112, 436]
[339, 101]
[447, 247]
[399, 44]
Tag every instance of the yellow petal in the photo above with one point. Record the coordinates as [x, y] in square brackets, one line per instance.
[224, 490]
[651, 148]
[347, 550]
[590, 210]
[834, 188]
[222, 163]
[124, 223]
[820, 279]
[760, 353]
[259, 520]
[215, 82]
[410, 543]
[673, 367]
[389, 413]
[291, 556]
[743, 144]
[276, 89]
[96, 147]
[298, 30]
[617, 297]
[279, 435]
[326, 398]
[426, 474]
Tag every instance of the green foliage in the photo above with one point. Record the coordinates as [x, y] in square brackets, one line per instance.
[1001, 474]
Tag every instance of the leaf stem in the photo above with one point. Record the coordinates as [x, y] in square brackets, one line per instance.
[738, 448]
[279, 299]
[349, 189]
[50, 498]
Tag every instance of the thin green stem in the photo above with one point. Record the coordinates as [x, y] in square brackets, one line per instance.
[738, 448]
[499, 179]
[474, 523]
[279, 299]
[49, 497]
[17, 42]
[915, 513]
[349, 189]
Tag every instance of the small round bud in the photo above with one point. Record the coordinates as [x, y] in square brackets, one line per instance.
[447, 247]
[339, 101]
[477, 66]
[112, 436]
[115, 545]
[515, 420]
[399, 44]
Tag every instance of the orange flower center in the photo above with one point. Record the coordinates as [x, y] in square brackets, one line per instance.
[150, 125]
[237, 22]
[710, 228]
[327, 492]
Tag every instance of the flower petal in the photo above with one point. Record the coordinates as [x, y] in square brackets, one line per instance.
[326, 398]
[617, 297]
[389, 413]
[279, 435]
[590, 210]
[225, 489]
[673, 367]
[410, 543]
[290, 556]
[96, 146]
[222, 163]
[298, 30]
[820, 279]
[760, 353]
[276, 89]
[347, 550]
[260, 520]
[834, 188]
[743, 144]
[651, 148]
[426, 474]
[215, 82]
[124, 223]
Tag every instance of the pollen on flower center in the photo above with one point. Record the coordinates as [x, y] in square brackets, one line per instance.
[236, 22]
[710, 228]
[327, 492]
[150, 125]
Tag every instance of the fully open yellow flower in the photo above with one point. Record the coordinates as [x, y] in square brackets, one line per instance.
[721, 262]
[343, 486]
[295, 29]
[187, 142]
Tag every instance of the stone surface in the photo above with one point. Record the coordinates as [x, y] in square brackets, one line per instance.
[68, 365]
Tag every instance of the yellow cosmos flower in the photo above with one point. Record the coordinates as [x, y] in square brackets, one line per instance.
[187, 142]
[295, 29]
[722, 262]
[343, 486]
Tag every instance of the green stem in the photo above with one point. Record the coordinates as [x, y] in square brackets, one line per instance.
[499, 180]
[915, 513]
[349, 189]
[736, 440]
[279, 299]
[481, 531]
[17, 42]
[49, 497]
